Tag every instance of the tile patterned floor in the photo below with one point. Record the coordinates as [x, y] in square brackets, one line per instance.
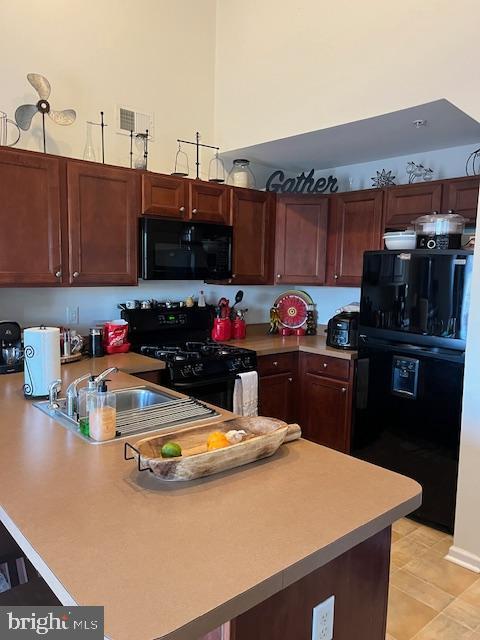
[430, 598]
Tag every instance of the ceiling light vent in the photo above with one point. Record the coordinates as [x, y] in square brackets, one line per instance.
[136, 121]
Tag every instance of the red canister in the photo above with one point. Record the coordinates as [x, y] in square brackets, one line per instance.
[222, 329]
[239, 329]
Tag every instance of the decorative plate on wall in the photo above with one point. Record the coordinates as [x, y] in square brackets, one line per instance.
[292, 308]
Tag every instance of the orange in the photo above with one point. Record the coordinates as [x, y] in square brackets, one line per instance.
[217, 440]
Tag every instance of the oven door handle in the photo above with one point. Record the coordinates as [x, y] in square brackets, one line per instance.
[202, 383]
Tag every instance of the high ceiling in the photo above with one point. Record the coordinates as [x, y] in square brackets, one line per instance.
[385, 136]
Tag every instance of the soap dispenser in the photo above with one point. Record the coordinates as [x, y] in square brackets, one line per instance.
[85, 399]
[102, 417]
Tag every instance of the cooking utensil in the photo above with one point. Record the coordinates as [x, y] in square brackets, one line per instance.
[224, 305]
[238, 298]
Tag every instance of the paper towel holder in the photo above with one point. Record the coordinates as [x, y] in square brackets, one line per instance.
[39, 377]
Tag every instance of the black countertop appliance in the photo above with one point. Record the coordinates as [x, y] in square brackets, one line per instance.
[412, 333]
[342, 330]
[11, 351]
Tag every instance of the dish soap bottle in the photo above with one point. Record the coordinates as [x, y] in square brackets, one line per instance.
[102, 417]
[85, 400]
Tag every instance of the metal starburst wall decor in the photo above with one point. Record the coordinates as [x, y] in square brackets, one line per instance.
[383, 179]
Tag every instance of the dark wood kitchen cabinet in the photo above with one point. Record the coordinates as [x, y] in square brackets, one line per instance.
[278, 386]
[253, 214]
[407, 202]
[301, 239]
[185, 199]
[355, 226]
[30, 217]
[166, 196]
[102, 207]
[209, 202]
[276, 396]
[461, 195]
[325, 413]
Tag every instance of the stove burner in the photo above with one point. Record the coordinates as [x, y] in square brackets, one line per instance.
[191, 351]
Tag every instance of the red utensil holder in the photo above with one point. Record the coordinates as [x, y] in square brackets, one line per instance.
[222, 329]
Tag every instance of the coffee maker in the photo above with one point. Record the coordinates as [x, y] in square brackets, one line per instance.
[11, 352]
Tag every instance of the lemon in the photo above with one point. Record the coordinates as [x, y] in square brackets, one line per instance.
[171, 450]
[217, 440]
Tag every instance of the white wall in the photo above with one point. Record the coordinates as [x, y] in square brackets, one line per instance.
[445, 163]
[466, 548]
[288, 68]
[154, 55]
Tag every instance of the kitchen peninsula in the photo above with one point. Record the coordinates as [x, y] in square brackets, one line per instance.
[260, 545]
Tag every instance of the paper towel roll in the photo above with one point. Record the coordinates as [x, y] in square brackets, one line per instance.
[42, 359]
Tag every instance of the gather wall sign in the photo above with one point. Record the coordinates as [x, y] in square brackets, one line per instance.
[301, 184]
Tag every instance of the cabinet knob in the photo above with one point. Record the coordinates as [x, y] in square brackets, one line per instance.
[275, 363]
[234, 275]
[336, 276]
[194, 211]
[182, 209]
[58, 274]
[325, 365]
[75, 274]
[278, 276]
[344, 390]
[290, 379]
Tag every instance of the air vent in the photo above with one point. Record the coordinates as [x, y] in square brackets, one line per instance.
[131, 120]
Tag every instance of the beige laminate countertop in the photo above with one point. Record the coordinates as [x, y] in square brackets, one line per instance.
[267, 344]
[173, 560]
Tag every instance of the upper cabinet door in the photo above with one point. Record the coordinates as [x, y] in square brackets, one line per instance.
[301, 239]
[355, 227]
[407, 202]
[253, 235]
[103, 204]
[210, 202]
[30, 242]
[165, 196]
[462, 196]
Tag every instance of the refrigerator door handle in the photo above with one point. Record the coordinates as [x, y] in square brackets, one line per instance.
[363, 367]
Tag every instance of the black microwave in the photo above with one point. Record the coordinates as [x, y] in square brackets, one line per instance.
[176, 250]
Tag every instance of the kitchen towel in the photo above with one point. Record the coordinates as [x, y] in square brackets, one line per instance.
[42, 359]
[245, 394]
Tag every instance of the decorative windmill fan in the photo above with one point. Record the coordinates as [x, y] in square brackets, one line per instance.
[25, 113]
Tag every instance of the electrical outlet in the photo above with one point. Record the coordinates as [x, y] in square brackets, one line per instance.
[322, 627]
[72, 315]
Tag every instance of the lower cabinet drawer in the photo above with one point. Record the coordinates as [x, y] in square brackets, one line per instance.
[328, 366]
[277, 363]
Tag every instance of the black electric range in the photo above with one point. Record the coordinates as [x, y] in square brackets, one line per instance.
[195, 365]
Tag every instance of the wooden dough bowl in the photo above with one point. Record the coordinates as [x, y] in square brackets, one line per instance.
[264, 437]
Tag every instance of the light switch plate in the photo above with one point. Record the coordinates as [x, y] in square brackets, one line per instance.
[72, 315]
[323, 613]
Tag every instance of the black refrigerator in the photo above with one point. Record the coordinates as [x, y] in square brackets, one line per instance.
[408, 402]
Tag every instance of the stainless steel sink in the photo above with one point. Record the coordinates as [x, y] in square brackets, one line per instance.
[132, 399]
[139, 410]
